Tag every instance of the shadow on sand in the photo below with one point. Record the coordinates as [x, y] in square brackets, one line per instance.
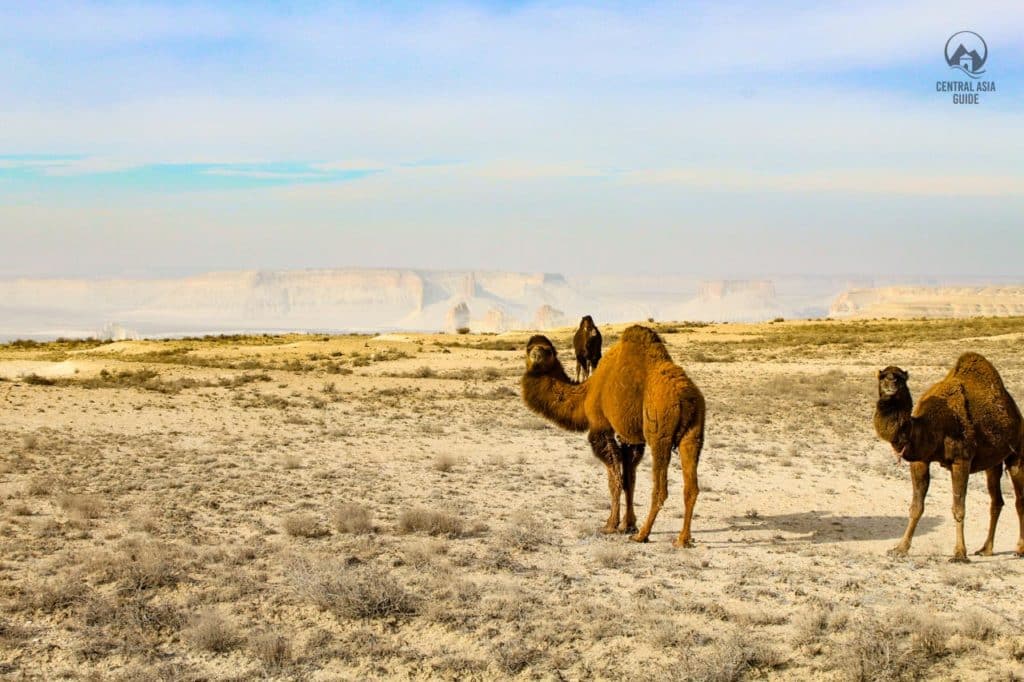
[822, 526]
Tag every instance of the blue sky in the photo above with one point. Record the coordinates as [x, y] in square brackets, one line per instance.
[726, 138]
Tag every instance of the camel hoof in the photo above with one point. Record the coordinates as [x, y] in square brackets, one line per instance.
[629, 529]
[687, 543]
[897, 551]
[608, 530]
[638, 538]
[984, 551]
[959, 559]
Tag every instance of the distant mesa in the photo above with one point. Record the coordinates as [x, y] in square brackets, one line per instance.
[910, 301]
[716, 290]
[547, 317]
[497, 320]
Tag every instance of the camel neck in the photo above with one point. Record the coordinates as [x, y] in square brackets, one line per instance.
[557, 399]
[892, 418]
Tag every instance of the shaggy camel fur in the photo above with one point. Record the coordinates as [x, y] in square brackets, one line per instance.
[967, 422]
[587, 344]
[637, 394]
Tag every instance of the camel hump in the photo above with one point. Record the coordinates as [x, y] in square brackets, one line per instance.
[975, 366]
[640, 334]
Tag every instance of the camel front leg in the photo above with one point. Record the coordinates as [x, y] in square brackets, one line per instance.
[995, 494]
[660, 456]
[960, 471]
[631, 456]
[1017, 477]
[605, 449]
[920, 477]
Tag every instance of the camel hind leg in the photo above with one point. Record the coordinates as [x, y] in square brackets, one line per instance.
[661, 455]
[1016, 472]
[995, 493]
[689, 456]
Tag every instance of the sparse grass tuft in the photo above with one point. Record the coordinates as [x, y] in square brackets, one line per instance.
[430, 521]
[211, 631]
[444, 463]
[303, 525]
[272, 649]
[611, 555]
[364, 592]
[524, 532]
[81, 506]
[352, 518]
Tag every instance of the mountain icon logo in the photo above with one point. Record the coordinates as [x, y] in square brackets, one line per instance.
[967, 51]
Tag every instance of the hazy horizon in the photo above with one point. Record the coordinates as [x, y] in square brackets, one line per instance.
[707, 139]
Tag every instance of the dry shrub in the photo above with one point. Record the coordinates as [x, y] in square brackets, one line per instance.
[444, 463]
[133, 623]
[810, 625]
[978, 625]
[365, 591]
[894, 647]
[512, 657]
[733, 658]
[291, 462]
[21, 509]
[38, 487]
[81, 506]
[352, 518]
[525, 532]
[211, 631]
[303, 525]
[139, 566]
[272, 649]
[53, 595]
[430, 521]
[611, 555]
[422, 554]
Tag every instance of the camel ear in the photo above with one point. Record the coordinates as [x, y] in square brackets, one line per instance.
[906, 375]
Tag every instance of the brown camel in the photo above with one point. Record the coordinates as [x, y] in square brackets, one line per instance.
[587, 344]
[967, 423]
[637, 394]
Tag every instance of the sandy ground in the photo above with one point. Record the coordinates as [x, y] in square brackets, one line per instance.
[333, 508]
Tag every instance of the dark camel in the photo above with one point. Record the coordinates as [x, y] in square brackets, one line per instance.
[636, 396]
[587, 344]
[967, 423]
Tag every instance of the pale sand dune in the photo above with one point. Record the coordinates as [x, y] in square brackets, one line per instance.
[205, 523]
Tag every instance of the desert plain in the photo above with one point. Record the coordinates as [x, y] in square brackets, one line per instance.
[359, 507]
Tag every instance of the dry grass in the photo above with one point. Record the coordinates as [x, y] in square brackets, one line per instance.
[273, 649]
[303, 525]
[212, 631]
[430, 521]
[352, 518]
[82, 506]
[363, 592]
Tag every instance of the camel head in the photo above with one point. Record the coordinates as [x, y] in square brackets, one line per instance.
[541, 356]
[895, 402]
[587, 323]
[891, 381]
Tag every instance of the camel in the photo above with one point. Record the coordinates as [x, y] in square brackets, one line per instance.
[967, 423]
[587, 344]
[636, 397]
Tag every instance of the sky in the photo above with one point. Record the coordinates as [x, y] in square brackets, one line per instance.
[705, 138]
